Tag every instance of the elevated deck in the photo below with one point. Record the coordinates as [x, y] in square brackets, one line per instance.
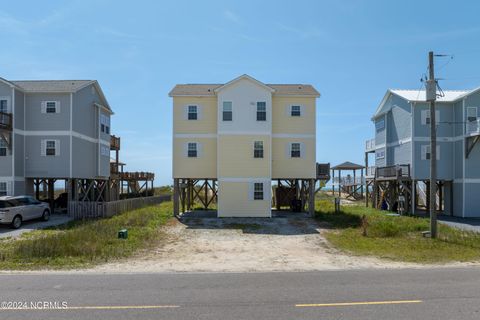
[396, 172]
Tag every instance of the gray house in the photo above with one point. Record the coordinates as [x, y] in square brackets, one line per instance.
[53, 130]
[402, 151]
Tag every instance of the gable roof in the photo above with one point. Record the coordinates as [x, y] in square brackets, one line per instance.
[211, 89]
[420, 96]
[245, 77]
[347, 165]
[66, 86]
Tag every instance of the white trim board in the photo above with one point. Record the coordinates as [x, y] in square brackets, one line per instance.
[61, 133]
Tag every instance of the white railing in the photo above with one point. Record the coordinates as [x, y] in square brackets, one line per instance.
[348, 181]
[370, 171]
[473, 127]
[370, 145]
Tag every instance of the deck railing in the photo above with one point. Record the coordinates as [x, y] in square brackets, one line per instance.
[473, 128]
[396, 171]
[6, 121]
[348, 181]
[370, 145]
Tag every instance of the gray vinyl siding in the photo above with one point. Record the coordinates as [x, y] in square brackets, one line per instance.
[19, 155]
[6, 165]
[399, 120]
[19, 110]
[5, 90]
[472, 194]
[103, 135]
[84, 158]
[85, 114]
[445, 165]
[19, 187]
[104, 166]
[458, 199]
[399, 154]
[380, 136]
[459, 155]
[458, 118]
[38, 166]
[36, 120]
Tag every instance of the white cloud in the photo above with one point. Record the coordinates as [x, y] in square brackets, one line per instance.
[231, 16]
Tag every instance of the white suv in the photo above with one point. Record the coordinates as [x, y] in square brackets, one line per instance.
[15, 210]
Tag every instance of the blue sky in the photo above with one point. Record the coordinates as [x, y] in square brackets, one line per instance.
[351, 51]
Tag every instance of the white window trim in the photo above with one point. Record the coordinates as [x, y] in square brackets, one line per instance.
[380, 154]
[9, 105]
[426, 115]
[197, 148]
[290, 110]
[475, 112]
[43, 147]
[44, 107]
[223, 110]
[263, 149]
[426, 150]
[302, 150]
[196, 112]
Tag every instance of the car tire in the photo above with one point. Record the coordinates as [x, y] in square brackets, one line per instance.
[16, 222]
[46, 215]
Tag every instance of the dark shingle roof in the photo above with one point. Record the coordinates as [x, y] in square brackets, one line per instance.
[348, 166]
[208, 89]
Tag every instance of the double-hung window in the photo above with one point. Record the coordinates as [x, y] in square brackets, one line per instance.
[104, 124]
[51, 107]
[192, 150]
[295, 111]
[50, 148]
[425, 117]
[258, 149]
[472, 114]
[227, 112]
[3, 105]
[258, 191]
[192, 113]
[3, 148]
[427, 154]
[295, 150]
[261, 111]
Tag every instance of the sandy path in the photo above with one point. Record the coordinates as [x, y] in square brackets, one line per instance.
[239, 245]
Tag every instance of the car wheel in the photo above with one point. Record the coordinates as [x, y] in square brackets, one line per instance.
[17, 222]
[46, 215]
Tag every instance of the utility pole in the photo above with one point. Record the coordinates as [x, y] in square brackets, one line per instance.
[431, 95]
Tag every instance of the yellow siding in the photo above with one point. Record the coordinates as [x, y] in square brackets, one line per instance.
[234, 201]
[205, 166]
[285, 167]
[208, 115]
[236, 157]
[282, 122]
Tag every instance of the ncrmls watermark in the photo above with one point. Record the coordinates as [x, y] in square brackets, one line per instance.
[33, 305]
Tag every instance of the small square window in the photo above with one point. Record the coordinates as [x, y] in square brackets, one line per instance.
[227, 112]
[192, 112]
[50, 150]
[192, 150]
[295, 150]
[261, 111]
[258, 191]
[258, 149]
[295, 111]
[51, 107]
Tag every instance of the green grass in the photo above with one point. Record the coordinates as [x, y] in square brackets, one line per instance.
[85, 243]
[396, 238]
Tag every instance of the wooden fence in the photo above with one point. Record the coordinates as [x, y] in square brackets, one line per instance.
[90, 209]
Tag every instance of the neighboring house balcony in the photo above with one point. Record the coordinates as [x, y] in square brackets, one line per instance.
[473, 128]
[323, 171]
[5, 121]
[370, 145]
[396, 172]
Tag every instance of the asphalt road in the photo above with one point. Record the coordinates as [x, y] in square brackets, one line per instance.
[368, 294]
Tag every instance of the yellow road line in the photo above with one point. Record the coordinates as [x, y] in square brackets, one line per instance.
[366, 303]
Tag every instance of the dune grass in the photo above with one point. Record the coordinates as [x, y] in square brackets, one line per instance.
[85, 243]
[397, 238]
